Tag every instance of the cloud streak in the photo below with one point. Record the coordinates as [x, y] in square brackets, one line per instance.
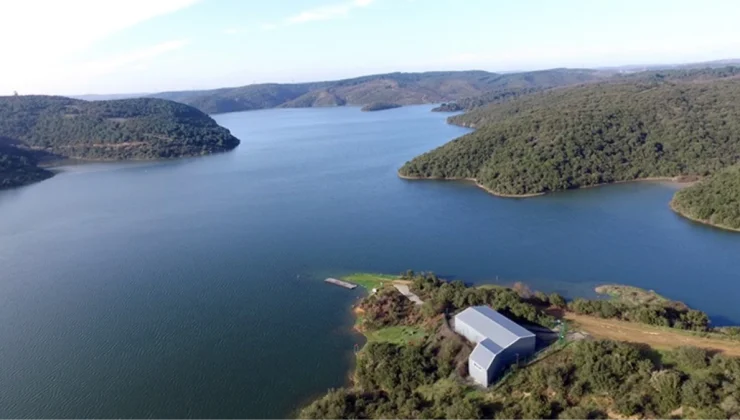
[52, 35]
[138, 57]
[328, 12]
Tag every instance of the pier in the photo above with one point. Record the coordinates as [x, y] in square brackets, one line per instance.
[341, 283]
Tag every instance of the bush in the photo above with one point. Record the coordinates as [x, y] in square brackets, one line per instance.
[691, 357]
[697, 394]
[557, 300]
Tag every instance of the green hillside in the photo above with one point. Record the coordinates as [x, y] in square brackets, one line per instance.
[715, 200]
[32, 126]
[638, 126]
[399, 88]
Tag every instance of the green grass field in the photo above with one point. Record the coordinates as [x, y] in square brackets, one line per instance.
[396, 335]
[370, 281]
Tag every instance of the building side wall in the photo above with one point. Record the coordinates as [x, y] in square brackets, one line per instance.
[521, 349]
[470, 333]
[478, 373]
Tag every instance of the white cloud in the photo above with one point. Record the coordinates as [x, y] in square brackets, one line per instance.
[138, 57]
[328, 12]
[41, 37]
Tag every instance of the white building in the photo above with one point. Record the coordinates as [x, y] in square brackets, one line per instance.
[499, 342]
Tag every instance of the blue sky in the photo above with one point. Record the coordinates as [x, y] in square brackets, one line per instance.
[100, 46]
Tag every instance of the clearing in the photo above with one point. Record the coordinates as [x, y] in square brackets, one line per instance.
[400, 334]
[657, 337]
[370, 281]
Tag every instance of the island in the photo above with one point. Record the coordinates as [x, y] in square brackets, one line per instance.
[379, 106]
[714, 201]
[448, 107]
[634, 355]
[39, 129]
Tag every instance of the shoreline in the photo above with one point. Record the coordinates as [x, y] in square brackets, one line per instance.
[675, 180]
[673, 207]
[474, 181]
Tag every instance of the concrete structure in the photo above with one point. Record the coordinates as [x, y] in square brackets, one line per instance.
[342, 283]
[499, 342]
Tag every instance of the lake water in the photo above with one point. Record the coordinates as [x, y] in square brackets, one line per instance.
[193, 288]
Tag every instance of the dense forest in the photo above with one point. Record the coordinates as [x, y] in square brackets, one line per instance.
[715, 200]
[16, 169]
[683, 122]
[424, 376]
[147, 128]
[400, 88]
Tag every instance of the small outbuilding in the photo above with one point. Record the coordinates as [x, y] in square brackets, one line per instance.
[499, 342]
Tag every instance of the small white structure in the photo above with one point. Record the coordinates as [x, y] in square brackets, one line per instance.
[499, 342]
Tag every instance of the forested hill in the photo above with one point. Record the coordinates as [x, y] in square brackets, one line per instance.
[144, 128]
[715, 201]
[399, 88]
[641, 126]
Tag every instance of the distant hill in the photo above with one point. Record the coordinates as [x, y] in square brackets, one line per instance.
[32, 127]
[108, 97]
[398, 88]
[654, 124]
[632, 68]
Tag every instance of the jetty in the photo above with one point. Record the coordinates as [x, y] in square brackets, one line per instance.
[341, 283]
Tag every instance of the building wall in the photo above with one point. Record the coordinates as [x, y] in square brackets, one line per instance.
[478, 373]
[524, 347]
[467, 331]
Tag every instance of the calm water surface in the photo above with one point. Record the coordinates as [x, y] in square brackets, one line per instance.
[193, 288]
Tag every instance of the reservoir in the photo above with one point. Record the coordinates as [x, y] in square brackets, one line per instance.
[195, 288]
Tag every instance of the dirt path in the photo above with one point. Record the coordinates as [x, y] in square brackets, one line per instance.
[655, 337]
[404, 289]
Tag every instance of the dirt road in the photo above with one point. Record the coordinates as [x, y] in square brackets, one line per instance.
[653, 336]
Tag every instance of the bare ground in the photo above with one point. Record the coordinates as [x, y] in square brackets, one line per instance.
[653, 336]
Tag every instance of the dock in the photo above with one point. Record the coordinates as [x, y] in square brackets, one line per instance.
[341, 283]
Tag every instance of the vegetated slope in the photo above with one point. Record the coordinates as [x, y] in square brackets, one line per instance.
[715, 200]
[682, 123]
[18, 168]
[401, 88]
[31, 126]
[144, 128]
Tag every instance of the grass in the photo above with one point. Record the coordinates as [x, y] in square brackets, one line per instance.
[370, 281]
[633, 296]
[397, 335]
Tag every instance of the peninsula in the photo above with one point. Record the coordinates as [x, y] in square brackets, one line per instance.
[414, 365]
[714, 201]
[667, 125]
[36, 129]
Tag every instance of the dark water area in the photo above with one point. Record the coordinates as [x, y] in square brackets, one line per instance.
[193, 288]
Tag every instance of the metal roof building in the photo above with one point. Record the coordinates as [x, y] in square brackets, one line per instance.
[499, 341]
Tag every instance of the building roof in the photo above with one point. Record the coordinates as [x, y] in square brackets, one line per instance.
[484, 353]
[499, 329]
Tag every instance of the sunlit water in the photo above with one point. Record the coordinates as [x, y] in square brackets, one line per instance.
[193, 288]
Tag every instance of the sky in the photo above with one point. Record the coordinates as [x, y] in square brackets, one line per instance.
[101, 47]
